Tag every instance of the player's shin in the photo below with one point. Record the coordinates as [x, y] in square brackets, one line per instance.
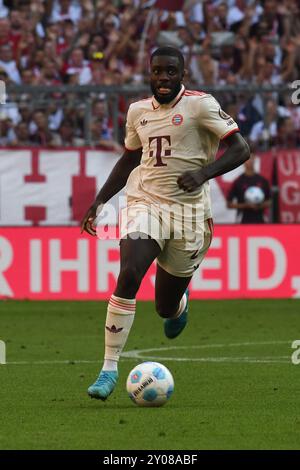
[119, 319]
[181, 308]
[173, 326]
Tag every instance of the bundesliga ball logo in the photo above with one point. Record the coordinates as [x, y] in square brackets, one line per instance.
[150, 384]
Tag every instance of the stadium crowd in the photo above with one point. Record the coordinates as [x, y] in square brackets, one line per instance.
[107, 42]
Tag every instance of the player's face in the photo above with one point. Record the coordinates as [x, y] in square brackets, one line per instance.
[166, 78]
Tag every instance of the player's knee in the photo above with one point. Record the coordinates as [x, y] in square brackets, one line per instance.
[165, 310]
[129, 281]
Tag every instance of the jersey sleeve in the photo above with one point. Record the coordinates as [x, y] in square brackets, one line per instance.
[212, 117]
[132, 140]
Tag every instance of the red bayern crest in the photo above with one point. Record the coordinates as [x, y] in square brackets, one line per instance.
[177, 119]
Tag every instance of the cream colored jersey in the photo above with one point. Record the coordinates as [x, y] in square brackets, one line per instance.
[176, 137]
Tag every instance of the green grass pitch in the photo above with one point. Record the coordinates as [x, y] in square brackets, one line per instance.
[235, 384]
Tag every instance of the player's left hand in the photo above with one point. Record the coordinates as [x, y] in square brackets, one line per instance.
[191, 180]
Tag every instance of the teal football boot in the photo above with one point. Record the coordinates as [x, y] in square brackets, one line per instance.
[104, 385]
[173, 327]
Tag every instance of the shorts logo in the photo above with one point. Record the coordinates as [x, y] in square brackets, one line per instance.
[177, 119]
[144, 122]
[195, 254]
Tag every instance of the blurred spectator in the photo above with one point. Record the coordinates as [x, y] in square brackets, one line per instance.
[97, 66]
[287, 134]
[204, 68]
[25, 110]
[66, 136]
[265, 131]
[4, 76]
[7, 133]
[249, 212]
[8, 64]
[49, 74]
[101, 136]
[28, 77]
[22, 136]
[65, 10]
[5, 31]
[78, 66]
[55, 115]
[40, 133]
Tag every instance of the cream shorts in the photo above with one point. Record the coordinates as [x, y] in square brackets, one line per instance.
[183, 246]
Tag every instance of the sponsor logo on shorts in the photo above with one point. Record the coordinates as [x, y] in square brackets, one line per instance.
[177, 119]
[195, 254]
[144, 122]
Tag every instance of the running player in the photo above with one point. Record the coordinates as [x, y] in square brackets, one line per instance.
[170, 146]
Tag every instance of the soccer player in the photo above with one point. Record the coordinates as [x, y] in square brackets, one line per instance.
[170, 146]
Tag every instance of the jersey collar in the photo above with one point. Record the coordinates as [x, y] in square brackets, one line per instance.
[172, 104]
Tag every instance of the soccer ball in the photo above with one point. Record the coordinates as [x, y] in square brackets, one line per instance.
[150, 384]
[254, 195]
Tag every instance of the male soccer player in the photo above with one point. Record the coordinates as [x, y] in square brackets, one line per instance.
[170, 146]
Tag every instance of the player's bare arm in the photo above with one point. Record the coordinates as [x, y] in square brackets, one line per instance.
[235, 155]
[114, 183]
[242, 205]
[249, 205]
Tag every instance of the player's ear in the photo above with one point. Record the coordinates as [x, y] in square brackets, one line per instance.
[184, 74]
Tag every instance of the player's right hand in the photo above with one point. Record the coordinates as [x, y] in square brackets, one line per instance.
[87, 223]
[252, 206]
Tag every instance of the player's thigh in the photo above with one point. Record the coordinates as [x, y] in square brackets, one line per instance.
[138, 253]
[169, 290]
[136, 256]
[141, 219]
[181, 258]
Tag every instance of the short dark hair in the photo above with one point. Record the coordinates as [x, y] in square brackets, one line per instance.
[169, 51]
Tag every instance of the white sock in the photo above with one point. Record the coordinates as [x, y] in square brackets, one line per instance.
[181, 307]
[119, 319]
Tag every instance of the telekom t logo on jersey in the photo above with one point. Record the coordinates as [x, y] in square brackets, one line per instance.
[160, 142]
